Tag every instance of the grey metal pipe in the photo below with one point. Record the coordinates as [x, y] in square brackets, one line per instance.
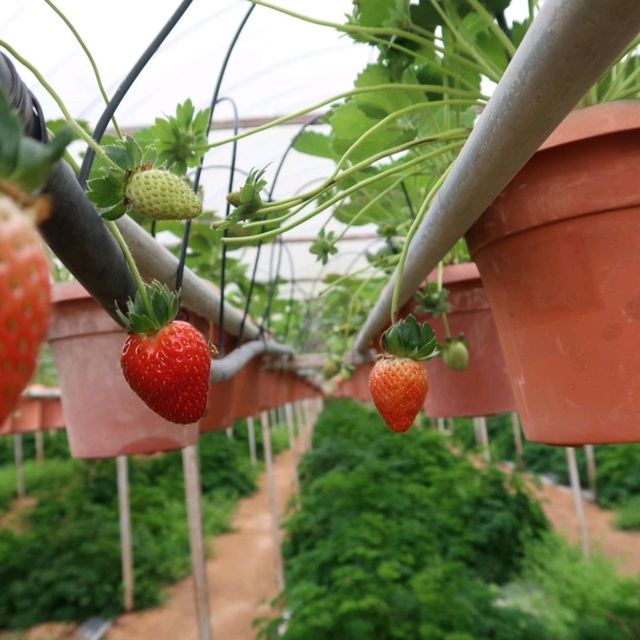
[228, 366]
[567, 48]
[155, 261]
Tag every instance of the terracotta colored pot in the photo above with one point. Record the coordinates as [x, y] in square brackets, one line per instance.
[246, 396]
[39, 409]
[559, 256]
[52, 414]
[26, 416]
[357, 386]
[266, 390]
[219, 412]
[483, 388]
[104, 417]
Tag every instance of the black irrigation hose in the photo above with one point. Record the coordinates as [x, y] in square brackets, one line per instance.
[124, 87]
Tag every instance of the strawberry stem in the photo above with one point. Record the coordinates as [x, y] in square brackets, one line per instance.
[424, 207]
[78, 130]
[445, 320]
[91, 59]
[113, 228]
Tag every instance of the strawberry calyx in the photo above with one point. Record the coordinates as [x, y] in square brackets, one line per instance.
[25, 163]
[408, 338]
[146, 317]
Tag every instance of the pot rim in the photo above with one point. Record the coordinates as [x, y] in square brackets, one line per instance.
[595, 121]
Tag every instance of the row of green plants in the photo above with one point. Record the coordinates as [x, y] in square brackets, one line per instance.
[403, 538]
[60, 556]
[617, 466]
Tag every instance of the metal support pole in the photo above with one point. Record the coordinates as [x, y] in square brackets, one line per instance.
[480, 424]
[517, 440]
[301, 430]
[191, 471]
[517, 434]
[251, 430]
[126, 546]
[591, 469]
[293, 445]
[577, 499]
[39, 442]
[17, 451]
[273, 500]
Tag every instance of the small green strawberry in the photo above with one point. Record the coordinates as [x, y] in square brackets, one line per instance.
[455, 353]
[162, 195]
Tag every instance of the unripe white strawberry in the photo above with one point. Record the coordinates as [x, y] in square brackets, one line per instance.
[162, 195]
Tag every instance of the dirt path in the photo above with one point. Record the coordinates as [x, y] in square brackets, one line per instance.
[622, 546]
[241, 576]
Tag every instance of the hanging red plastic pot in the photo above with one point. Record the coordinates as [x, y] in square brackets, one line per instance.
[52, 414]
[267, 390]
[558, 254]
[104, 417]
[484, 387]
[247, 390]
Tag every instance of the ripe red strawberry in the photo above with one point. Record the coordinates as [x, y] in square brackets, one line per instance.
[24, 296]
[398, 382]
[166, 362]
[24, 270]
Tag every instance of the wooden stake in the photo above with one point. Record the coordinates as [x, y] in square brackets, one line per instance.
[39, 440]
[126, 546]
[440, 423]
[191, 471]
[591, 468]
[577, 499]
[273, 501]
[450, 426]
[293, 445]
[17, 451]
[229, 432]
[252, 441]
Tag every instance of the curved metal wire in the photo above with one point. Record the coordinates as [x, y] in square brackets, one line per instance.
[265, 321]
[121, 91]
[196, 181]
[223, 262]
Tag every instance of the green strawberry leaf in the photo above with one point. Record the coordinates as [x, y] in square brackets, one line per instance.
[36, 159]
[316, 144]
[114, 212]
[10, 134]
[106, 191]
